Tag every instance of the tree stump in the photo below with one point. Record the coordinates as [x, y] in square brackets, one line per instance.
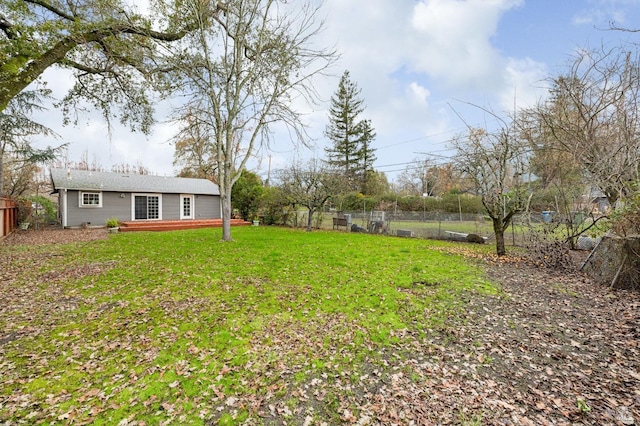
[615, 262]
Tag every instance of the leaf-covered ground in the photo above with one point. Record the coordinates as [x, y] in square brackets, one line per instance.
[550, 349]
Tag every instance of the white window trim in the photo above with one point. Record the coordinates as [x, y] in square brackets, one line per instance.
[193, 206]
[89, 206]
[63, 193]
[133, 205]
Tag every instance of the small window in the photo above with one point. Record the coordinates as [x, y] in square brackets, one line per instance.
[90, 199]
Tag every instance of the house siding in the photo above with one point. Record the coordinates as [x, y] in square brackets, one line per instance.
[207, 207]
[113, 205]
[171, 206]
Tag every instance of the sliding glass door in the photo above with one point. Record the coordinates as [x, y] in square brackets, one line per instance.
[146, 207]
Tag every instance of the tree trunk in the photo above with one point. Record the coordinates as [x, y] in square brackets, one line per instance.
[226, 213]
[498, 230]
[310, 221]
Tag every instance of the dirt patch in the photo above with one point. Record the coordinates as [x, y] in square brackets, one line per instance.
[54, 236]
[553, 349]
[564, 349]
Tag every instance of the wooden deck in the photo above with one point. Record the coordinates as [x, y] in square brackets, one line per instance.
[173, 225]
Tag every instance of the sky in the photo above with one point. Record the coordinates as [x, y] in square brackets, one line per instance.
[425, 68]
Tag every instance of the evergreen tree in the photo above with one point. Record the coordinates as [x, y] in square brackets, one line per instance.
[246, 194]
[366, 156]
[351, 152]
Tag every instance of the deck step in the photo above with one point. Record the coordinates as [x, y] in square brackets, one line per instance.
[173, 225]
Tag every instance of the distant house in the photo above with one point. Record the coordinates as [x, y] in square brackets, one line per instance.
[599, 202]
[89, 198]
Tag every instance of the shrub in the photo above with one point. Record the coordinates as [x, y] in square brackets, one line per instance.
[113, 222]
[546, 251]
[24, 210]
[49, 211]
[626, 221]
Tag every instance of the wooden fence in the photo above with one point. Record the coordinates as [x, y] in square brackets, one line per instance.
[8, 216]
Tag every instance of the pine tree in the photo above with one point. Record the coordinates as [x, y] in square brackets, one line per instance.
[351, 152]
[366, 155]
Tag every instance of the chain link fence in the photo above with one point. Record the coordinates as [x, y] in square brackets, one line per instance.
[523, 229]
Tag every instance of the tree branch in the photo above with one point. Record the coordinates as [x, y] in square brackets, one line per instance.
[82, 67]
[614, 27]
[7, 28]
[13, 84]
[52, 9]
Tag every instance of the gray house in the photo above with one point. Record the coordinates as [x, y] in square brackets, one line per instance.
[89, 198]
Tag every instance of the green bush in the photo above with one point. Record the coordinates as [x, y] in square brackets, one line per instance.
[452, 203]
[274, 207]
[45, 209]
[448, 203]
[113, 222]
[246, 195]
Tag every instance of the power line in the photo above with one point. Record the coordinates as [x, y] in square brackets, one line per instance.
[435, 134]
[418, 161]
[415, 139]
[398, 164]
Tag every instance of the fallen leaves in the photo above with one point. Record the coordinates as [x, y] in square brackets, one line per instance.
[552, 349]
[54, 236]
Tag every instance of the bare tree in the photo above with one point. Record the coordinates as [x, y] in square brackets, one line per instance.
[194, 151]
[561, 184]
[310, 185]
[495, 163]
[126, 168]
[594, 115]
[415, 179]
[19, 177]
[240, 83]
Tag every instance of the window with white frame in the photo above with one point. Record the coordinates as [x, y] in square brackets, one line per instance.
[90, 199]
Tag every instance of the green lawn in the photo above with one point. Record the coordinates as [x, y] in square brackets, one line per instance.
[179, 327]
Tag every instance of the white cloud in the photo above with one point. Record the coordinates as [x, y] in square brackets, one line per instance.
[396, 53]
[452, 40]
[418, 93]
[400, 53]
[605, 11]
[368, 33]
[525, 83]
